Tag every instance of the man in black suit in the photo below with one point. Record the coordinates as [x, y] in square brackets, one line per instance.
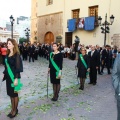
[99, 53]
[106, 56]
[31, 51]
[24, 52]
[94, 63]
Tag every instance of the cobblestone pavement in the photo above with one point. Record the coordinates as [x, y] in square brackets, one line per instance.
[94, 103]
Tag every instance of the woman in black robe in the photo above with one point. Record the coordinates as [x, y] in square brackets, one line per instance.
[82, 70]
[15, 63]
[57, 57]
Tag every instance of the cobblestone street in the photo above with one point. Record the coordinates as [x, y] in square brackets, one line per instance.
[94, 103]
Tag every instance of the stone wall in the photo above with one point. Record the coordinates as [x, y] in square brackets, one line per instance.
[50, 23]
[116, 40]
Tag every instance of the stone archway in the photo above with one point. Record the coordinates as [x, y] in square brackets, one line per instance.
[49, 38]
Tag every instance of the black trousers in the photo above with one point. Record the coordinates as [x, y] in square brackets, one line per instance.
[31, 56]
[98, 70]
[118, 106]
[93, 74]
[107, 63]
[24, 56]
[118, 109]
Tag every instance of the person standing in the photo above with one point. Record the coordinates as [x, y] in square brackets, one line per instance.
[55, 70]
[106, 56]
[83, 66]
[116, 82]
[31, 51]
[0, 55]
[24, 51]
[94, 63]
[99, 54]
[3, 52]
[13, 67]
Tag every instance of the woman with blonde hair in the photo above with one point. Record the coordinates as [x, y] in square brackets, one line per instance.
[13, 67]
[83, 66]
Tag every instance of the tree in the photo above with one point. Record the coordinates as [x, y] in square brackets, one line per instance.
[21, 40]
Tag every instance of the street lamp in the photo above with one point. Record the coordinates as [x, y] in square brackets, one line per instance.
[12, 22]
[105, 25]
[27, 30]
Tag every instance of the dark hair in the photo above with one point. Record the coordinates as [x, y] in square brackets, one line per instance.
[15, 49]
[55, 44]
[107, 46]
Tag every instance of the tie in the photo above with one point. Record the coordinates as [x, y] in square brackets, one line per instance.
[91, 53]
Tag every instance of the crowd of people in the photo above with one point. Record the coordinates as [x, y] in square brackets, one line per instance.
[90, 61]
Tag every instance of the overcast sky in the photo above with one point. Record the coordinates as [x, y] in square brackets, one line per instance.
[14, 7]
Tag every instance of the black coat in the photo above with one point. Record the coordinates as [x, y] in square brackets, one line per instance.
[81, 68]
[16, 66]
[31, 50]
[94, 59]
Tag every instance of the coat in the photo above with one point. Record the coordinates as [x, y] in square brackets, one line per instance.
[94, 59]
[116, 76]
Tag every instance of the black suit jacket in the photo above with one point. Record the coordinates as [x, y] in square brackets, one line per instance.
[31, 50]
[94, 59]
[106, 56]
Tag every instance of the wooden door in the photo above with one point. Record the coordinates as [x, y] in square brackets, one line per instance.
[68, 38]
[49, 38]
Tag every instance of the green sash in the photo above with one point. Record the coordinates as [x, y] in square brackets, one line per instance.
[84, 63]
[54, 65]
[18, 87]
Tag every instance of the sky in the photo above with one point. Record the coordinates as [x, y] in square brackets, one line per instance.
[14, 7]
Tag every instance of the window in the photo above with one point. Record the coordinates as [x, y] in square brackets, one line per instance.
[75, 13]
[49, 2]
[93, 11]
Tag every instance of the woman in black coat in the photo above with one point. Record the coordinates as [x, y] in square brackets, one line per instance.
[82, 69]
[14, 62]
[55, 70]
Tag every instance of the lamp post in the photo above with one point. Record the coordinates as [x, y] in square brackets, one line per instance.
[105, 29]
[12, 22]
[27, 30]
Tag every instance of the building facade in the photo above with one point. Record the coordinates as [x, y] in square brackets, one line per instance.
[4, 35]
[52, 16]
[21, 25]
[34, 21]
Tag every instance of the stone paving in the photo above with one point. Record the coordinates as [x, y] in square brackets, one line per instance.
[94, 103]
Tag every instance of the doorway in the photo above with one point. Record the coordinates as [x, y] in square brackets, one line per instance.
[68, 39]
[49, 38]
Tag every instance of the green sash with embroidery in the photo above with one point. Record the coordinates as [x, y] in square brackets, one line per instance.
[84, 63]
[18, 87]
[54, 65]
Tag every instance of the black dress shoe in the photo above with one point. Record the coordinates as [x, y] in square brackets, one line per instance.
[109, 73]
[90, 83]
[100, 73]
[80, 87]
[9, 115]
[12, 116]
[54, 99]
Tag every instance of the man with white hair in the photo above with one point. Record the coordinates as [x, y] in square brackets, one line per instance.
[94, 63]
